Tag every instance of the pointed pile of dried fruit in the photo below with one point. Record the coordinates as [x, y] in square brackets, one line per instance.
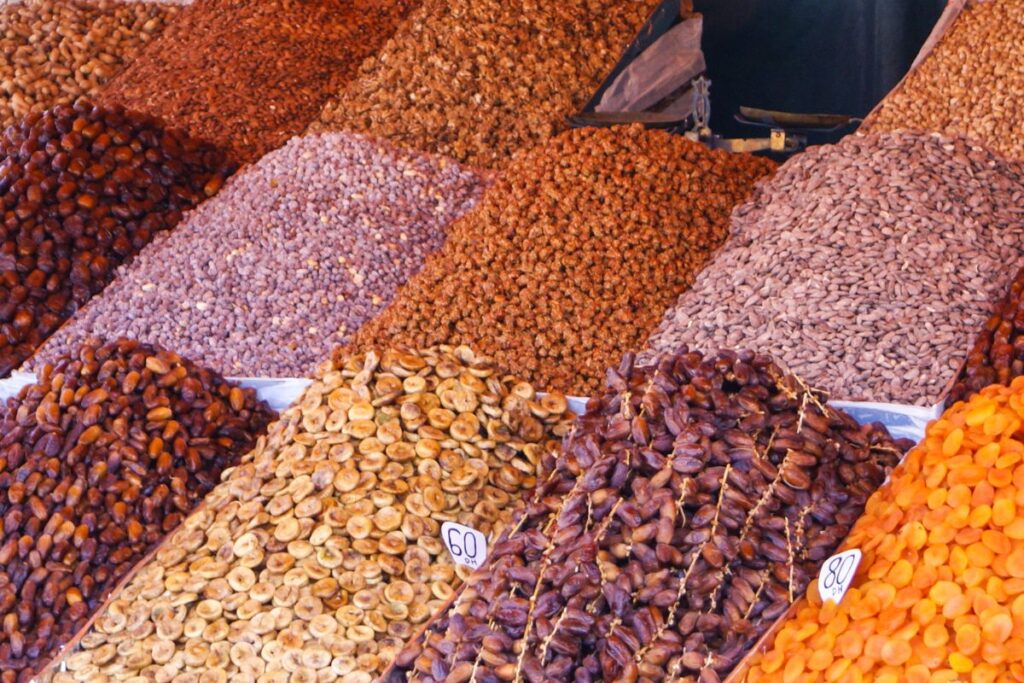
[321, 553]
[99, 459]
[939, 593]
[691, 505]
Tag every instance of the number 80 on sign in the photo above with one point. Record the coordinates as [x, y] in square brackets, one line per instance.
[837, 575]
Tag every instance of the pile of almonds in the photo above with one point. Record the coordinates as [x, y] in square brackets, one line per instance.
[939, 593]
[477, 80]
[249, 74]
[997, 356]
[318, 556]
[571, 258]
[83, 188]
[690, 506]
[971, 84]
[331, 224]
[865, 267]
[101, 458]
[55, 51]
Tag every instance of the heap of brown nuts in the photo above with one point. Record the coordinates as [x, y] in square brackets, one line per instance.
[971, 84]
[58, 50]
[82, 190]
[321, 552]
[691, 505]
[571, 259]
[997, 356]
[248, 75]
[99, 459]
[478, 80]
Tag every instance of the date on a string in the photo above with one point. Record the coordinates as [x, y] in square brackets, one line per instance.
[837, 575]
[467, 546]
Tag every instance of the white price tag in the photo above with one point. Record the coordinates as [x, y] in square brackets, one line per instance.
[837, 574]
[467, 546]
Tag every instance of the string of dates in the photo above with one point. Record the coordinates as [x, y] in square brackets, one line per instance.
[317, 557]
[690, 507]
[99, 459]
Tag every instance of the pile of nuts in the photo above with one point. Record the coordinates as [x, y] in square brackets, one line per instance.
[865, 267]
[971, 84]
[101, 458]
[58, 50]
[571, 258]
[84, 188]
[692, 504]
[317, 557]
[331, 224]
[477, 80]
[939, 593]
[997, 356]
[249, 74]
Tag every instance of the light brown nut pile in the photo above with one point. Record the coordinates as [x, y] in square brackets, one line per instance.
[571, 258]
[249, 74]
[83, 188]
[332, 225]
[865, 267]
[102, 457]
[319, 555]
[55, 51]
[691, 505]
[477, 80]
[971, 84]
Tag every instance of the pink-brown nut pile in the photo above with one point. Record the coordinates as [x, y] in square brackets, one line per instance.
[866, 267]
[55, 51]
[689, 507]
[293, 256]
[971, 84]
[83, 189]
[477, 80]
[99, 459]
[247, 75]
[571, 258]
[321, 553]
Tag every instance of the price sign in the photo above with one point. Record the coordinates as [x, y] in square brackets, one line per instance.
[467, 546]
[837, 575]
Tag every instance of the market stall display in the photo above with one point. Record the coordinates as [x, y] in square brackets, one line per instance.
[321, 551]
[102, 457]
[249, 74]
[478, 80]
[971, 84]
[58, 50]
[865, 267]
[689, 507]
[571, 258]
[937, 595]
[997, 356]
[84, 189]
[293, 255]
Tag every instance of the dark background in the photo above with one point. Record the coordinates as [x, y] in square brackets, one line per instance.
[808, 56]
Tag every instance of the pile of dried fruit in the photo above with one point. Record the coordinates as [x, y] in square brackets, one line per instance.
[330, 224]
[572, 257]
[691, 505]
[997, 356]
[84, 188]
[971, 84]
[100, 459]
[58, 50]
[477, 80]
[249, 74]
[939, 594]
[865, 267]
[321, 553]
